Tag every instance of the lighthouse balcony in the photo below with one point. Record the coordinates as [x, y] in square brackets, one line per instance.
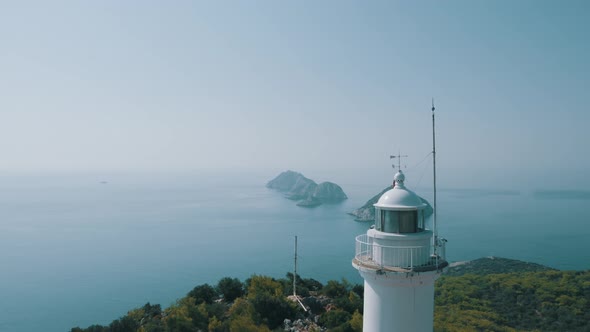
[398, 258]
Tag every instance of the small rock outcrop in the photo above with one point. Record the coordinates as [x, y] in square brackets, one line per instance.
[297, 187]
[301, 325]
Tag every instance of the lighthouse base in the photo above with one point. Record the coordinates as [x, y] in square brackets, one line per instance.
[398, 301]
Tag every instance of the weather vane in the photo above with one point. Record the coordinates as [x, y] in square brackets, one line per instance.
[399, 160]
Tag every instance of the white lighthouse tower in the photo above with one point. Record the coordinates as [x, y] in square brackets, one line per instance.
[400, 260]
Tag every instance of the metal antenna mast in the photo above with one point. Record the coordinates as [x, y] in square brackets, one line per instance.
[295, 270]
[434, 175]
[295, 279]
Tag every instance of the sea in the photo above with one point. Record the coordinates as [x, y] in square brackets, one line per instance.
[83, 249]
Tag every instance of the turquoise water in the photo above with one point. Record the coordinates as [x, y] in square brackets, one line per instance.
[75, 251]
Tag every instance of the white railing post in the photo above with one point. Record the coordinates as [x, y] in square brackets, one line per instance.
[406, 257]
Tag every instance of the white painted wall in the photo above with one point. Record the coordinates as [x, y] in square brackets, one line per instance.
[398, 302]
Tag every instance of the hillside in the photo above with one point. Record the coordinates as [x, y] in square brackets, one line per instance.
[493, 265]
[488, 294]
[520, 301]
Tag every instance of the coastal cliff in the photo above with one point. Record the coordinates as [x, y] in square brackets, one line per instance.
[297, 187]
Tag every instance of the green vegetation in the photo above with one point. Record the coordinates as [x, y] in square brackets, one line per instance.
[527, 301]
[261, 303]
[491, 265]
[539, 299]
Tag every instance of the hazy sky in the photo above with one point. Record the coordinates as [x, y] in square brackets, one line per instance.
[191, 85]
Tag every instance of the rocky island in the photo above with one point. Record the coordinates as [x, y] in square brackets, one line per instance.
[367, 211]
[297, 187]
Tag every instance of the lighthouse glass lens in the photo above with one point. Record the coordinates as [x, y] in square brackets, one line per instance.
[408, 221]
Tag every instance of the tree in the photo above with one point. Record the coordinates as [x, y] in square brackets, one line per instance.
[217, 310]
[359, 290]
[258, 285]
[179, 316]
[230, 288]
[203, 293]
[356, 322]
[266, 295]
[312, 284]
[335, 289]
[335, 318]
[124, 324]
[273, 309]
[241, 307]
[215, 325]
[246, 324]
[304, 286]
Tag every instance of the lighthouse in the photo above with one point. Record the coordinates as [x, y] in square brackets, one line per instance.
[399, 259]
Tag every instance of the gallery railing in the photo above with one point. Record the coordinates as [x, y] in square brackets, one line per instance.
[412, 258]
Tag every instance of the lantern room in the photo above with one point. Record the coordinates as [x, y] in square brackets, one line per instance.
[400, 210]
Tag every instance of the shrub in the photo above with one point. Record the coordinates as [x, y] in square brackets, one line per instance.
[203, 293]
[230, 288]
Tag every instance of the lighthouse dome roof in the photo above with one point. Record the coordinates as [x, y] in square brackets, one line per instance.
[400, 198]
